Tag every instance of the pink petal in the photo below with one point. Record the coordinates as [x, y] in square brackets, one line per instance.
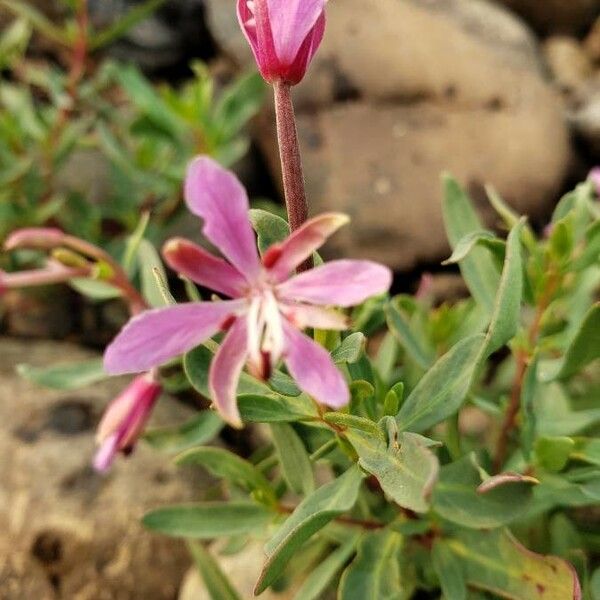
[225, 371]
[195, 263]
[216, 195]
[155, 336]
[311, 44]
[339, 283]
[35, 237]
[302, 316]
[105, 455]
[282, 259]
[257, 30]
[291, 24]
[313, 369]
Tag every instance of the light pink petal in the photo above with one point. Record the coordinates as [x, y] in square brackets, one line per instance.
[195, 263]
[302, 316]
[339, 283]
[291, 24]
[155, 336]
[216, 195]
[311, 44]
[313, 369]
[282, 259]
[105, 455]
[225, 371]
[257, 30]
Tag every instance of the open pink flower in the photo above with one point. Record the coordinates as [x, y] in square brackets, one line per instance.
[284, 35]
[269, 304]
[125, 419]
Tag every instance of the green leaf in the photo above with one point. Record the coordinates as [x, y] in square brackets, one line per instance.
[528, 416]
[494, 561]
[196, 431]
[587, 450]
[96, 290]
[584, 348]
[458, 496]
[259, 408]
[309, 517]
[69, 376]
[322, 576]
[450, 572]
[401, 329]
[595, 584]
[36, 19]
[404, 467]
[350, 349]
[216, 582]
[151, 269]
[442, 390]
[209, 519]
[507, 306]
[478, 269]
[226, 465]
[375, 572]
[293, 457]
[552, 453]
[270, 229]
[485, 239]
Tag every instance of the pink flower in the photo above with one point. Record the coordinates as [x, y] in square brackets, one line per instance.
[269, 303]
[594, 177]
[284, 35]
[125, 419]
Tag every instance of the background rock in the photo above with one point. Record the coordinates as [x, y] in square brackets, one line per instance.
[70, 533]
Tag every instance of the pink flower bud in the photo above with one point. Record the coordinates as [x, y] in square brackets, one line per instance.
[44, 238]
[53, 272]
[284, 35]
[125, 419]
[594, 177]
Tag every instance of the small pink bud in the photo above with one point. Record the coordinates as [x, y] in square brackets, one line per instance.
[53, 272]
[284, 35]
[44, 238]
[125, 419]
[594, 177]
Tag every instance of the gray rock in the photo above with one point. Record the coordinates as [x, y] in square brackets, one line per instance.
[556, 16]
[68, 532]
[569, 64]
[585, 117]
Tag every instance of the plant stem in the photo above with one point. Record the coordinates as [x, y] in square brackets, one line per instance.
[291, 160]
[522, 357]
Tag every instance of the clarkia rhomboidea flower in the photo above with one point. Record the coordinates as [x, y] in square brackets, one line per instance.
[125, 419]
[269, 304]
[284, 35]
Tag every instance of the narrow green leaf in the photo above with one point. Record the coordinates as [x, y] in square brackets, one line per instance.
[293, 457]
[404, 467]
[529, 421]
[443, 389]
[587, 450]
[375, 572]
[69, 376]
[196, 431]
[270, 229]
[450, 572]
[406, 337]
[478, 268]
[216, 582]
[485, 239]
[507, 305]
[494, 561]
[96, 290]
[321, 577]
[150, 266]
[350, 349]
[354, 422]
[226, 465]
[553, 453]
[258, 408]
[37, 19]
[209, 519]
[458, 497]
[309, 517]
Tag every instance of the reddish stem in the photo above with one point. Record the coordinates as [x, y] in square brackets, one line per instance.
[291, 160]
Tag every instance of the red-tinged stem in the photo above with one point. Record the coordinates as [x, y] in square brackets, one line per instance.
[291, 160]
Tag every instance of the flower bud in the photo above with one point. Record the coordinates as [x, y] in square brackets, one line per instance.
[53, 272]
[43, 238]
[125, 419]
[284, 35]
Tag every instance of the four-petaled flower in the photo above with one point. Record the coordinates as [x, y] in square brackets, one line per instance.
[284, 35]
[268, 306]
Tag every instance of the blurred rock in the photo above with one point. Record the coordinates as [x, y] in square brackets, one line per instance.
[592, 42]
[67, 532]
[556, 16]
[585, 117]
[568, 62]
[447, 85]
